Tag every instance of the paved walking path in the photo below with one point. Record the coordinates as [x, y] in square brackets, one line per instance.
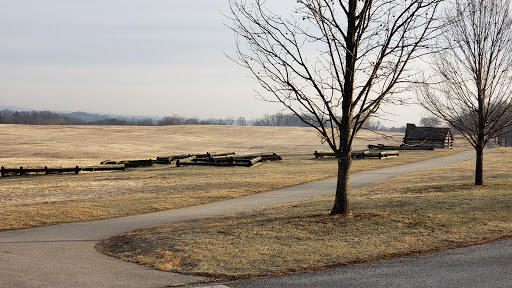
[64, 255]
[481, 266]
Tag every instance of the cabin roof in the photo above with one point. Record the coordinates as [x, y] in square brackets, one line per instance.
[426, 133]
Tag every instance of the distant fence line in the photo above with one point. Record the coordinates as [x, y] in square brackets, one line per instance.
[207, 159]
[52, 170]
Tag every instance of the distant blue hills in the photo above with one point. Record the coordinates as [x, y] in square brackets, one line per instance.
[85, 116]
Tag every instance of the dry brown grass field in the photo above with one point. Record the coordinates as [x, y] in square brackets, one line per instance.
[413, 213]
[67, 145]
[36, 200]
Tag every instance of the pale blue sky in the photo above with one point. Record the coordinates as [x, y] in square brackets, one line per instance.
[128, 57]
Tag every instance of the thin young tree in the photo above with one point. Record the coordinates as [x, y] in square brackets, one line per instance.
[471, 88]
[332, 63]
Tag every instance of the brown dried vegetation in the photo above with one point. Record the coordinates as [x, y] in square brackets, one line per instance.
[31, 201]
[414, 213]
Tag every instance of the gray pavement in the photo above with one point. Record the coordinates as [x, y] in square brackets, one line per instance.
[64, 255]
[481, 266]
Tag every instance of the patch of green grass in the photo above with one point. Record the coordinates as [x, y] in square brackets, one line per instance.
[408, 214]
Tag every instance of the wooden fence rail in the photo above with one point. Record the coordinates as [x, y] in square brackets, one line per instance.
[47, 170]
[362, 154]
[53, 170]
[403, 147]
[324, 154]
[130, 163]
[225, 161]
[374, 154]
[210, 159]
[108, 167]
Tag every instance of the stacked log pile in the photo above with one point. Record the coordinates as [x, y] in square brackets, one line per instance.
[129, 163]
[404, 147]
[207, 159]
[370, 153]
[375, 154]
[228, 161]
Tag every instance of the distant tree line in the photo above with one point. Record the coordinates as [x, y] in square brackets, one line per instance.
[81, 118]
[375, 125]
[53, 118]
[37, 118]
[180, 120]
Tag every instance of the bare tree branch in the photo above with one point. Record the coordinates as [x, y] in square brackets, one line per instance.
[473, 75]
[334, 61]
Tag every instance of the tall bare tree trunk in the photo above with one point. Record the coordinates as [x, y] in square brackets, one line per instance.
[480, 143]
[482, 125]
[363, 50]
[479, 170]
[344, 154]
[341, 204]
[470, 88]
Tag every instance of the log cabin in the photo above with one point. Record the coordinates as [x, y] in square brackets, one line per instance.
[437, 137]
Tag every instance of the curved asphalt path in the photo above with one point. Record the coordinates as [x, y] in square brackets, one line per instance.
[64, 255]
[481, 266]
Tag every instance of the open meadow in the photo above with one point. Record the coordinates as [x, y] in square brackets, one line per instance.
[35, 200]
[414, 213]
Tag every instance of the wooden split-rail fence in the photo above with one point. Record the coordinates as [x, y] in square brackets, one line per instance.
[4, 171]
[362, 154]
[188, 157]
[207, 159]
[228, 161]
[404, 147]
[130, 163]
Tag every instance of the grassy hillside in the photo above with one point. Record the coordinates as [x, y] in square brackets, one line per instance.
[30, 201]
[65, 145]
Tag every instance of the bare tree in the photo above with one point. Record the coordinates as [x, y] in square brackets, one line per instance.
[192, 121]
[430, 121]
[471, 88]
[332, 63]
[241, 121]
[171, 120]
[145, 122]
[279, 119]
[372, 124]
[229, 121]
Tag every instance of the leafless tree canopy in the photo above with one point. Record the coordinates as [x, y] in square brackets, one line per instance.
[332, 63]
[473, 88]
[301, 59]
[430, 122]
